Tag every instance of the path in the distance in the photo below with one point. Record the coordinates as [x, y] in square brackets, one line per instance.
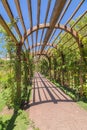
[51, 109]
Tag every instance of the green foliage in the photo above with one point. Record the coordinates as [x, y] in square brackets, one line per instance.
[2, 101]
[8, 90]
[44, 67]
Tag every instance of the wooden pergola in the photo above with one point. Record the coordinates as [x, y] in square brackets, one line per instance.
[59, 10]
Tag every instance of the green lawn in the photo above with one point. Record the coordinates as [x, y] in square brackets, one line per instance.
[14, 122]
[82, 104]
[19, 121]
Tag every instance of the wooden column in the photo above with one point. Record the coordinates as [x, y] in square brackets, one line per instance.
[82, 54]
[50, 67]
[18, 73]
[55, 64]
[83, 63]
[63, 62]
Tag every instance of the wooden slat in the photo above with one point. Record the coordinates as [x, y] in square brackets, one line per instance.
[38, 18]
[30, 12]
[30, 17]
[79, 18]
[20, 14]
[82, 28]
[10, 14]
[65, 9]
[38, 44]
[54, 18]
[9, 32]
[74, 24]
[21, 17]
[80, 4]
[47, 12]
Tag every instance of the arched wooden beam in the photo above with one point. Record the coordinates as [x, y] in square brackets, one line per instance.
[57, 26]
[38, 53]
[43, 56]
[38, 44]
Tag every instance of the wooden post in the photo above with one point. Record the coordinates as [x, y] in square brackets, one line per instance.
[18, 74]
[82, 62]
[50, 66]
[63, 62]
[55, 63]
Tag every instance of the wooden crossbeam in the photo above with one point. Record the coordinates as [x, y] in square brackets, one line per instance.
[21, 17]
[38, 18]
[10, 14]
[30, 12]
[60, 18]
[82, 28]
[7, 29]
[74, 24]
[65, 9]
[39, 53]
[40, 44]
[73, 14]
[30, 17]
[47, 12]
[79, 18]
[54, 18]
[20, 14]
[59, 26]
[72, 37]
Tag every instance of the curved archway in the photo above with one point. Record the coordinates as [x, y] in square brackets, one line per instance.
[38, 53]
[44, 54]
[38, 44]
[57, 26]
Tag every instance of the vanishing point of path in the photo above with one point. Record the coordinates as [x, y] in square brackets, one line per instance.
[51, 109]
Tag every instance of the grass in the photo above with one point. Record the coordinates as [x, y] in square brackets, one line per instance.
[82, 104]
[19, 121]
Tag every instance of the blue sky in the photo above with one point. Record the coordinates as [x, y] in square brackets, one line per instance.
[23, 4]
